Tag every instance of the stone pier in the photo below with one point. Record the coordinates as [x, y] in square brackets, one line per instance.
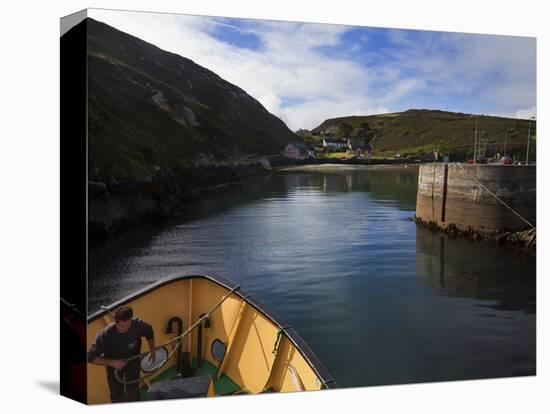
[448, 195]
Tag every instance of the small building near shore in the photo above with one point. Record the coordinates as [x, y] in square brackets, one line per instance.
[428, 156]
[298, 151]
[334, 144]
[358, 147]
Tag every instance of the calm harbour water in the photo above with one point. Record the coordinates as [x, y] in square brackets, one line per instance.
[336, 254]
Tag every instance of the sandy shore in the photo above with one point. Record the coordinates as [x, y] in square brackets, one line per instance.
[344, 167]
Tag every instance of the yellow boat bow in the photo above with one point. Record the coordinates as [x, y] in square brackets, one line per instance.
[225, 338]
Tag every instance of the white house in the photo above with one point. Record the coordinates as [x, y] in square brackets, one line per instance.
[334, 144]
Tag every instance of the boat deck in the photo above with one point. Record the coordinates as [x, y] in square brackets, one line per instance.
[222, 386]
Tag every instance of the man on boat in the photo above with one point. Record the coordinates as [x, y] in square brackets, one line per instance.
[117, 342]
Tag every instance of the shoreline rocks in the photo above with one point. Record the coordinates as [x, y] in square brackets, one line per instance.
[521, 238]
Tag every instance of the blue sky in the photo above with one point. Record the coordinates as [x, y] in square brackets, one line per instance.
[305, 73]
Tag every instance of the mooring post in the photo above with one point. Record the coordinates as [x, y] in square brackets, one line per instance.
[444, 196]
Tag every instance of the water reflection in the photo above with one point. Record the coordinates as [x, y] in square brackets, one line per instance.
[337, 256]
[382, 185]
[462, 268]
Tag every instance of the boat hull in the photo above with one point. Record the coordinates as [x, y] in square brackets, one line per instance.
[262, 352]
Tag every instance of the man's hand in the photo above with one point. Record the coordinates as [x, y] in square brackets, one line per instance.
[118, 364]
[152, 350]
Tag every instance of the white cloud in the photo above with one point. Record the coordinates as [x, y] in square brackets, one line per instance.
[403, 87]
[526, 113]
[288, 66]
[498, 71]
[303, 85]
[321, 109]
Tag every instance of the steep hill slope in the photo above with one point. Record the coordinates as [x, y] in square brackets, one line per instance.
[152, 111]
[419, 130]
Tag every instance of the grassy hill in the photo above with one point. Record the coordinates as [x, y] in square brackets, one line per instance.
[153, 112]
[417, 131]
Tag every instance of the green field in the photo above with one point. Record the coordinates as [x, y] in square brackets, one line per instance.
[337, 155]
[416, 132]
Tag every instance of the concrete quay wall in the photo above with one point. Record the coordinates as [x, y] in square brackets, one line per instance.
[448, 195]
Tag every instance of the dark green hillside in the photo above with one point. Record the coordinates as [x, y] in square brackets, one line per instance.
[151, 111]
[417, 131]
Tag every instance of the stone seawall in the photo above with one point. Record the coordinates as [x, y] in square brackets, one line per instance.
[114, 206]
[447, 195]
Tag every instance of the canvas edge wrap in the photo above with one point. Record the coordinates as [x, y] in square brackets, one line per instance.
[73, 206]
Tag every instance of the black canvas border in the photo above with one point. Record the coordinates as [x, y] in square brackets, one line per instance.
[73, 209]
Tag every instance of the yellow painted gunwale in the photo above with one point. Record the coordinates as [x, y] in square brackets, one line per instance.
[247, 328]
